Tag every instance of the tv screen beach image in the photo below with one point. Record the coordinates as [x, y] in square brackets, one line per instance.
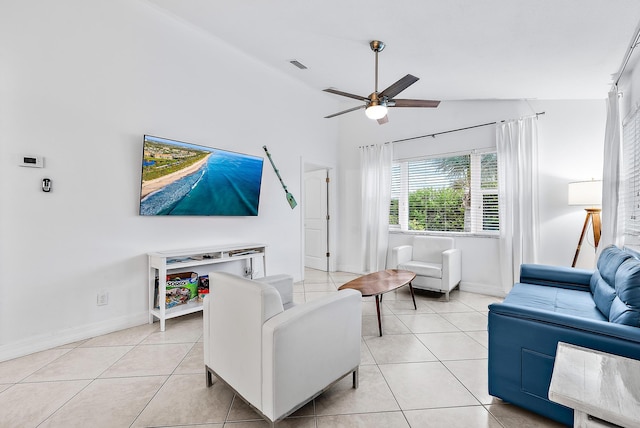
[190, 180]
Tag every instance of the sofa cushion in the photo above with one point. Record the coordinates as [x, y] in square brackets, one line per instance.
[628, 283]
[610, 259]
[623, 314]
[603, 293]
[433, 270]
[625, 308]
[560, 300]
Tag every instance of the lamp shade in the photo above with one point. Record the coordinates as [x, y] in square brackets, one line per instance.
[585, 193]
[376, 111]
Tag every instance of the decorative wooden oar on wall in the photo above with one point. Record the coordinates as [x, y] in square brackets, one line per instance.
[290, 198]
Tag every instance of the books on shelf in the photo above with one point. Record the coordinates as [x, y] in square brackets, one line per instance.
[203, 287]
[182, 287]
[198, 257]
[243, 252]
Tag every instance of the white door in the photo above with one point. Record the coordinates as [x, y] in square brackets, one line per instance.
[315, 220]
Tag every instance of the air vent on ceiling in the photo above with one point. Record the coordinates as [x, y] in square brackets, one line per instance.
[298, 64]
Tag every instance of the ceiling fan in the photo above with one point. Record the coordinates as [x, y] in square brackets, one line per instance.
[377, 103]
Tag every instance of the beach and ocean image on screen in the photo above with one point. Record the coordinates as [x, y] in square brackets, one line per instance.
[185, 179]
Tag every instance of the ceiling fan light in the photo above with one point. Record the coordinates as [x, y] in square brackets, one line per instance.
[376, 111]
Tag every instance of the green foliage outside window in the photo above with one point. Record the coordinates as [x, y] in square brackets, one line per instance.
[437, 209]
[394, 217]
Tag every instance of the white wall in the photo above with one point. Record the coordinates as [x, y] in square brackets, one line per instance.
[80, 83]
[571, 135]
[571, 148]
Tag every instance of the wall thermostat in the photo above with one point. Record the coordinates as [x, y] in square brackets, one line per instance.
[32, 161]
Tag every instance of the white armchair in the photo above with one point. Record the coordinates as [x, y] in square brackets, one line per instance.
[278, 360]
[434, 260]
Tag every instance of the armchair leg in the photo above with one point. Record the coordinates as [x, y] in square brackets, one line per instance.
[356, 379]
[413, 297]
[378, 300]
[209, 378]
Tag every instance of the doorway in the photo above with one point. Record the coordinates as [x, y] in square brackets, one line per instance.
[317, 219]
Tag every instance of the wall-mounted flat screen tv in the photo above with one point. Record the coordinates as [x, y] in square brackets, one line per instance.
[183, 179]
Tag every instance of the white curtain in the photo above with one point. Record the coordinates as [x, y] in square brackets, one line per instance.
[517, 143]
[612, 227]
[375, 166]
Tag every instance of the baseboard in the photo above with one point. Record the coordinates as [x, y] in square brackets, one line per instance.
[44, 342]
[350, 269]
[476, 287]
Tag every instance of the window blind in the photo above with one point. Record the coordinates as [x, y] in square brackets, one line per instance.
[485, 190]
[394, 211]
[631, 177]
[448, 194]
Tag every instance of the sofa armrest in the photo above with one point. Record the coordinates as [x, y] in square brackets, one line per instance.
[565, 321]
[307, 348]
[556, 276]
[401, 254]
[451, 267]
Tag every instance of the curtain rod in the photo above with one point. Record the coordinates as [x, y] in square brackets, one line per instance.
[455, 130]
[628, 53]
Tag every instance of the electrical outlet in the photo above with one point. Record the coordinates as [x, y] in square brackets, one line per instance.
[103, 298]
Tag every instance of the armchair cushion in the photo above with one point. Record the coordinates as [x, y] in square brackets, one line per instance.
[423, 268]
[284, 284]
[430, 248]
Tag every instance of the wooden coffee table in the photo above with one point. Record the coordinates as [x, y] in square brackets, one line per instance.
[378, 283]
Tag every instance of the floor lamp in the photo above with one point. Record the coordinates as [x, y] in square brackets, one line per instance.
[587, 193]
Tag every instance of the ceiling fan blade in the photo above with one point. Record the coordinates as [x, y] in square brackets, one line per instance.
[413, 103]
[399, 86]
[346, 94]
[384, 120]
[345, 111]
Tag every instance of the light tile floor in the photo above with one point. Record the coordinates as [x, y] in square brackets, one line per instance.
[428, 370]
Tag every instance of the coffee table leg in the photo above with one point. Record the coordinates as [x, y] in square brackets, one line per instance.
[413, 297]
[378, 309]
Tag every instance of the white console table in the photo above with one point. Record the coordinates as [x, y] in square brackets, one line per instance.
[160, 263]
[603, 389]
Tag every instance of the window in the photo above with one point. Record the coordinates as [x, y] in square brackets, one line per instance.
[448, 194]
[631, 178]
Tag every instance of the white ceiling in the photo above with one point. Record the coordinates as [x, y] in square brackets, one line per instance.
[460, 49]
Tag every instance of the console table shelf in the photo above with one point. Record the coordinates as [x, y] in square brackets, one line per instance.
[160, 263]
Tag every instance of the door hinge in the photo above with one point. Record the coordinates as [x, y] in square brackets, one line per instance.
[328, 254]
[327, 180]
[328, 217]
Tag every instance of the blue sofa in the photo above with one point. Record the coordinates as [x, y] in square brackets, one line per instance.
[595, 309]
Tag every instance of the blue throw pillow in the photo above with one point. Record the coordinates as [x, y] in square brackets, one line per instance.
[625, 308]
[603, 294]
[623, 314]
[628, 283]
[610, 259]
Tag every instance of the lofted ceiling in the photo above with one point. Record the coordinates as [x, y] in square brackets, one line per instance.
[460, 49]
